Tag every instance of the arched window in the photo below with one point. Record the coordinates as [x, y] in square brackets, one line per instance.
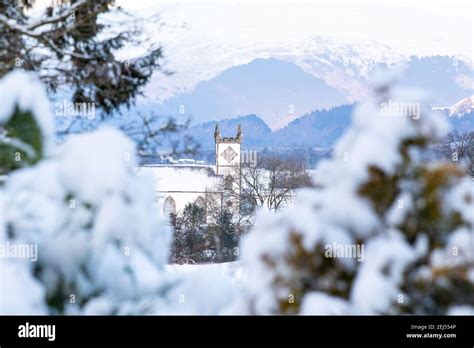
[169, 207]
[228, 182]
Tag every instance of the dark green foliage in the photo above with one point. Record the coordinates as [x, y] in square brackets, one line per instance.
[188, 234]
[427, 215]
[225, 238]
[195, 241]
[22, 142]
[191, 219]
[332, 278]
[77, 49]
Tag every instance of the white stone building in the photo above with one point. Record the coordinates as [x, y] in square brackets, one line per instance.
[180, 184]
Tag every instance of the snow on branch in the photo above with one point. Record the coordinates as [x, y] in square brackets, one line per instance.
[58, 18]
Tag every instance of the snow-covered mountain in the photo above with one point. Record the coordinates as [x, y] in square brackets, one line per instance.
[280, 90]
[461, 108]
[206, 43]
[339, 44]
[277, 91]
[344, 66]
[460, 114]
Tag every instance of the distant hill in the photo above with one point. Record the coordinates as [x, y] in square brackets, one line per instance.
[256, 131]
[316, 129]
[321, 128]
[276, 90]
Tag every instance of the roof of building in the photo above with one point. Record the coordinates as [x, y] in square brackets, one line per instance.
[183, 178]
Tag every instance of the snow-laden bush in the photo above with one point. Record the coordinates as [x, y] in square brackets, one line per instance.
[381, 232]
[98, 228]
[102, 242]
[20, 293]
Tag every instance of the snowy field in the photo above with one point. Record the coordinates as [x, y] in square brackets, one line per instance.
[233, 270]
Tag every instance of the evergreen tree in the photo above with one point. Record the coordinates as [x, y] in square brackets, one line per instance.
[188, 238]
[409, 221]
[68, 45]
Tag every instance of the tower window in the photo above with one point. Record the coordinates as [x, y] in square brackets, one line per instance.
[228, 181]
[229, 154]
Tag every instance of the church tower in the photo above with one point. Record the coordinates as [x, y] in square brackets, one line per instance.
[227, 152]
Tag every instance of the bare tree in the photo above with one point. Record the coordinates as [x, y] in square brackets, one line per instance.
[157, 137]
[458, 148]
[271, 184]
